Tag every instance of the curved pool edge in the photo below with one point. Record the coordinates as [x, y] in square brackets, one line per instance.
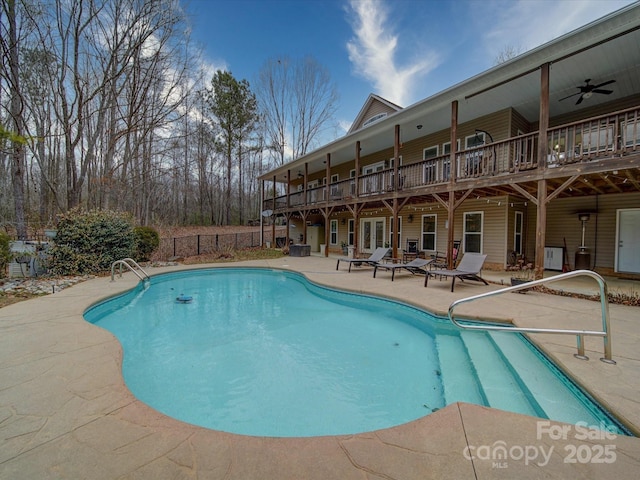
[90, 412]
[321, 279]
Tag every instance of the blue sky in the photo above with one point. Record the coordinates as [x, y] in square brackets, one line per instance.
[403, 50]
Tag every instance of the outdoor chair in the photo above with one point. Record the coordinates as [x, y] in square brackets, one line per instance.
[411, 251]
[440, 259]
[372, 261]
[415, 266]
[469, 269]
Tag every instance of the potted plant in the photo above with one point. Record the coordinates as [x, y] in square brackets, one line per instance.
[521, 272]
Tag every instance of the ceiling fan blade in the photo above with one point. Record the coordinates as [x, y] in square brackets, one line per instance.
[605, 92]
[605, 83]
[569, 96]
[580, 100]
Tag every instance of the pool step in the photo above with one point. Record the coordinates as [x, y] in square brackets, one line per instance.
[500, 384]
[457, 372]
[556, 402]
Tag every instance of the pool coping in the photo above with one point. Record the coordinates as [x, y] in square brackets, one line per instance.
[66, 413]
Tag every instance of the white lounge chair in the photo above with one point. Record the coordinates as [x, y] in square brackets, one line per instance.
[414, 266]
[372, 261]
[468, 269]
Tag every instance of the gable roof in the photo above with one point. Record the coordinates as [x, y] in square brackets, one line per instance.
[374, 109]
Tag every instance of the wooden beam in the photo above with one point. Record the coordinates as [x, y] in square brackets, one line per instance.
[524, 193]
[613, 185]
[632, 179]
[462, 199]
[441, 201]
[562, 188]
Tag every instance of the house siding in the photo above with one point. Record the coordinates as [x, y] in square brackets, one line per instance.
[600, 232]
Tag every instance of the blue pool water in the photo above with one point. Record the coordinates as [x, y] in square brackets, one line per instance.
[265, 352]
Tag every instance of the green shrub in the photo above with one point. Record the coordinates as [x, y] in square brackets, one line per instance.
[5, 252]
[147, 241]
[89, 242]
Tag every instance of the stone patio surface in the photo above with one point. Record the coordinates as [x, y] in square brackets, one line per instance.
[65, 412]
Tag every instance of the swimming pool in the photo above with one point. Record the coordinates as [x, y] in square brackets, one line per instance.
[266, 352]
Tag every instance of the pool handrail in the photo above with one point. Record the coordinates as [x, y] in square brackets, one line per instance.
[604, 305]
[132, 265]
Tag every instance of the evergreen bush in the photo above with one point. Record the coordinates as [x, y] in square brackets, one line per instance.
[5, 252]
[147, 241]
[89, 242]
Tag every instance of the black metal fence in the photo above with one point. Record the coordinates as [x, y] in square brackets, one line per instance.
[191, 245]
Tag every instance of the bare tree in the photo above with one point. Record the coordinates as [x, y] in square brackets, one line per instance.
[10, 49]
[298, 101]
[507, 53]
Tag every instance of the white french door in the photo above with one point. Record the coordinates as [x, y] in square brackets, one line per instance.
[372, 234]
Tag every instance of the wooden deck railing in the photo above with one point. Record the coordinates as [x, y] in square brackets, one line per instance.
[599, 137]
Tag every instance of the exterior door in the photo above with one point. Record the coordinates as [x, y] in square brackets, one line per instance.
[372, 234]
[628, 241]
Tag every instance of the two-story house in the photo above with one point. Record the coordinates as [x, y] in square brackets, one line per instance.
[538, 156]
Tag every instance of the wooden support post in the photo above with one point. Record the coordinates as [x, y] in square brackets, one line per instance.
[543, 148]
[273, 223]
[357, 166]
[327, 195]
[541, 226]
[453, 168]
[396, 161]
[396, 227]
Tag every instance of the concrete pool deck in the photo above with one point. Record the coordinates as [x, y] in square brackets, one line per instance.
[66, 413]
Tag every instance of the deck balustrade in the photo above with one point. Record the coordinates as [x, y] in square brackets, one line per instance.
[612, 135]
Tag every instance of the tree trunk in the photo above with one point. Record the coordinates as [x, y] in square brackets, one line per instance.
[17, 107]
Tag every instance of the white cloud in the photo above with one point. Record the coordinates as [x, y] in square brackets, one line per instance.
[526, 24]
[374, 51]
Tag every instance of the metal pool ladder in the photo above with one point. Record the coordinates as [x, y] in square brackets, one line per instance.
[604, 303]
[132, 265]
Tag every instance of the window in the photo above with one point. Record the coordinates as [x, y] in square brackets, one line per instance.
[630, 133]
[336, 190]
[392, 161]
[374, 119]
[473, 160]
[429, 223]
[374, 167]
[352, 183]
[597, 138]
[446, 163]
[350, 231]
[517, 232]
[333, 232]
[430, 174]
[391, 236]
[473, 232]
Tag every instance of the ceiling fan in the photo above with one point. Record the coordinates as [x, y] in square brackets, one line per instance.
[587, 90]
